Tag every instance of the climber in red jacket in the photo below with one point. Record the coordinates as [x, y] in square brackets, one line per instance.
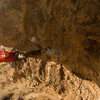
[9, 56]
[12, 56]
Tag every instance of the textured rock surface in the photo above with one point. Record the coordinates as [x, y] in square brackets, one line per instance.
[37, 81]
[69, 26]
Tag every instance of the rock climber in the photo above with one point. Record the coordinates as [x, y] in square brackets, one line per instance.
[11, 56]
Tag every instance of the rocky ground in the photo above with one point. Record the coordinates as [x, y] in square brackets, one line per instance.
[33, 80]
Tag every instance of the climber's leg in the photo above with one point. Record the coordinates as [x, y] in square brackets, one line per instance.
[36, 53]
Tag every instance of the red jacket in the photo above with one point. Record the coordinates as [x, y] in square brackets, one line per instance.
[9, 59]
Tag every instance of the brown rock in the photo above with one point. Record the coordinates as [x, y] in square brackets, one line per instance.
[69, 26]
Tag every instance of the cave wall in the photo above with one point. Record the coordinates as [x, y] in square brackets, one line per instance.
[69, 26]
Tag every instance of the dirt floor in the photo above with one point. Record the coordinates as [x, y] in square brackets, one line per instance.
[33, 80]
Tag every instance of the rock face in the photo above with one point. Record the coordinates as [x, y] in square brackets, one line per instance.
[34, 80]
[69, 26]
